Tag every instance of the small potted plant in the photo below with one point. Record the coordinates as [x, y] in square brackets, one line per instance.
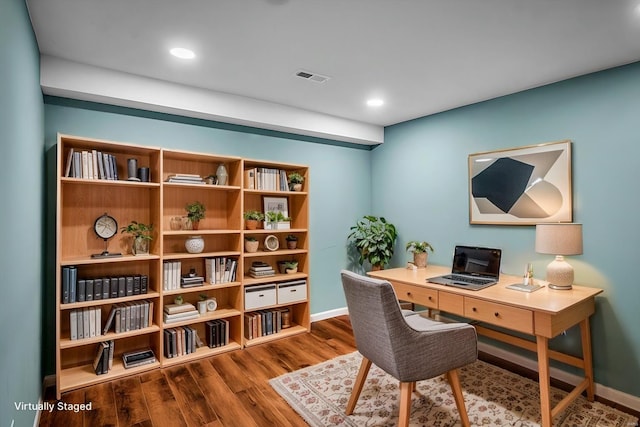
[195, 212]
[250, 244]
[271, 220]
[374, 239]
[252, 218]
[419, 250]
[292, 241]
[295, 181]
[291, 267]
[142, 236]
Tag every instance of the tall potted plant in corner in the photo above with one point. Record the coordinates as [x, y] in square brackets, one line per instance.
[374, 238]
[195, 212]
[420, 253]
[142, 236]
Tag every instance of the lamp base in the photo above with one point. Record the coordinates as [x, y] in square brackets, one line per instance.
[560, 274]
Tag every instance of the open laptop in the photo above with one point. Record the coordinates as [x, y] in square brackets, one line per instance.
[474, 268]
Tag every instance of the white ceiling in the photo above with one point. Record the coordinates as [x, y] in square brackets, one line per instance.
[420, 56]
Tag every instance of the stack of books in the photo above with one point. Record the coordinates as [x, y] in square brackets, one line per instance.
[189, 281]
[261, 269]
[178, 312]
[185, 178]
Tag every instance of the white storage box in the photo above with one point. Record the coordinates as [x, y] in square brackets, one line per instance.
[259, 296]
[293, 291]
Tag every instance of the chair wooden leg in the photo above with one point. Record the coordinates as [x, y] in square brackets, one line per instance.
[357, 387]
[454, 382]
[405, 403]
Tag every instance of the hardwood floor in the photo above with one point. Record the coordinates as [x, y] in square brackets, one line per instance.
[230, 389]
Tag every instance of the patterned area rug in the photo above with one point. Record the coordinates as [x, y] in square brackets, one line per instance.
[493, 397]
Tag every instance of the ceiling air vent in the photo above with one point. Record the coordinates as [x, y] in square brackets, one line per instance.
[312, 76]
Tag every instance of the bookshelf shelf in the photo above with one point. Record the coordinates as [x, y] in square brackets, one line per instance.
[80, 200]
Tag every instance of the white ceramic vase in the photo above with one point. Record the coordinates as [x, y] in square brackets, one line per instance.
[194, 244]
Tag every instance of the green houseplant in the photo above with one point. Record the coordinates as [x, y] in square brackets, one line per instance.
[374, 238]
[142, 236]
[295, 181]
[195, 212]
[252, 218]
[420, 253]
[251, 244]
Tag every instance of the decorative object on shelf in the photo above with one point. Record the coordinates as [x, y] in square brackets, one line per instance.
[105, 227]
[286, 319]
[276, 204]
[212, 304]
[211, 180]
[221, 174]
[186, 223]
[202, 307]
[292, 241]
[559, 239]
[271, 243]
[291, 267]
[295, 181]
[420, 253]
[195, 212]
[132, 170]
[175, 223]
[277, 221]
[178, 300]
[252, 218]
[194, 244]
[142, 236]
[143, 174]
[251, 244]
[521, 186]
[374, 239]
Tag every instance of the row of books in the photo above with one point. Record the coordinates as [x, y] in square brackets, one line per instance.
[91, 164]
[179, 312]
[185, 178]
[261, 269]
[263, 322]
[79, 290]
[129, 316]
[217, 333]
[267, 179]
[103, 361]
[171, 271]
[85, 323]
[181, 341]
[220, 269]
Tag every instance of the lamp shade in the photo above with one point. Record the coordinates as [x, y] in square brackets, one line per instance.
[559, 239]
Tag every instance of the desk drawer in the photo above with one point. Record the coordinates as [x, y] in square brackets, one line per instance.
[417, 294]
[514, 318]
[451, 303]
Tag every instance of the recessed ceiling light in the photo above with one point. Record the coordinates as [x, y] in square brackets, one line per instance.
[375, 102]
[182, 53]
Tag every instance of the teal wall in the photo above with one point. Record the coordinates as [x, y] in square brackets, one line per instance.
[427, 159]
[21, 213]
[339, 183]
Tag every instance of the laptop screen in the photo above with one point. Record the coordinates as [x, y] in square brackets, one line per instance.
[477, 261]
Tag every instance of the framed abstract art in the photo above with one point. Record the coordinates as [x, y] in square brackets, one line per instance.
[521, 186]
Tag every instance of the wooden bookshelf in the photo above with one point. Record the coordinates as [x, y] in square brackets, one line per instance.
[80, 200]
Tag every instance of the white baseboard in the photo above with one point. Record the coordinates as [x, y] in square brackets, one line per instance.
[329, 314]
[624, 399]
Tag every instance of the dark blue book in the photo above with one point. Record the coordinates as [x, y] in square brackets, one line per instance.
[88, 296]
[82, 286]
[73, 278]
[97, 289]
[106, 288]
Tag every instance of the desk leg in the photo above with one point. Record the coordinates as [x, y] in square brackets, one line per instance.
[544, 379]
[585, 335]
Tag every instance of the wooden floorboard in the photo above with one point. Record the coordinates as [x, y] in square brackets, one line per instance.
[228, 390]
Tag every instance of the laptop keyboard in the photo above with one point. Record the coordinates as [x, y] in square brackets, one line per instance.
[467, 279]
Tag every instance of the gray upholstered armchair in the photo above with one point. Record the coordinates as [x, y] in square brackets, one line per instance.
[407, 346]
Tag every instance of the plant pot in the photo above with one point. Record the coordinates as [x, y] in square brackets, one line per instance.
[377, 267]
[251, 224]
[140, 246]
[251, 246]
[194, 244]
[283, 225]
[292, 244]
[420, 259]
[291, 270]
[296, 187]
[195, 225]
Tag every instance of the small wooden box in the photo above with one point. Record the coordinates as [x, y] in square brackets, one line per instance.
[259, 296]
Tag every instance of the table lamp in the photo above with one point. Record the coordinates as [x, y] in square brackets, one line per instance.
[559, 239]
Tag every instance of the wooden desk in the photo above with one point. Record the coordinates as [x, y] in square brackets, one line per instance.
[544, 313]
